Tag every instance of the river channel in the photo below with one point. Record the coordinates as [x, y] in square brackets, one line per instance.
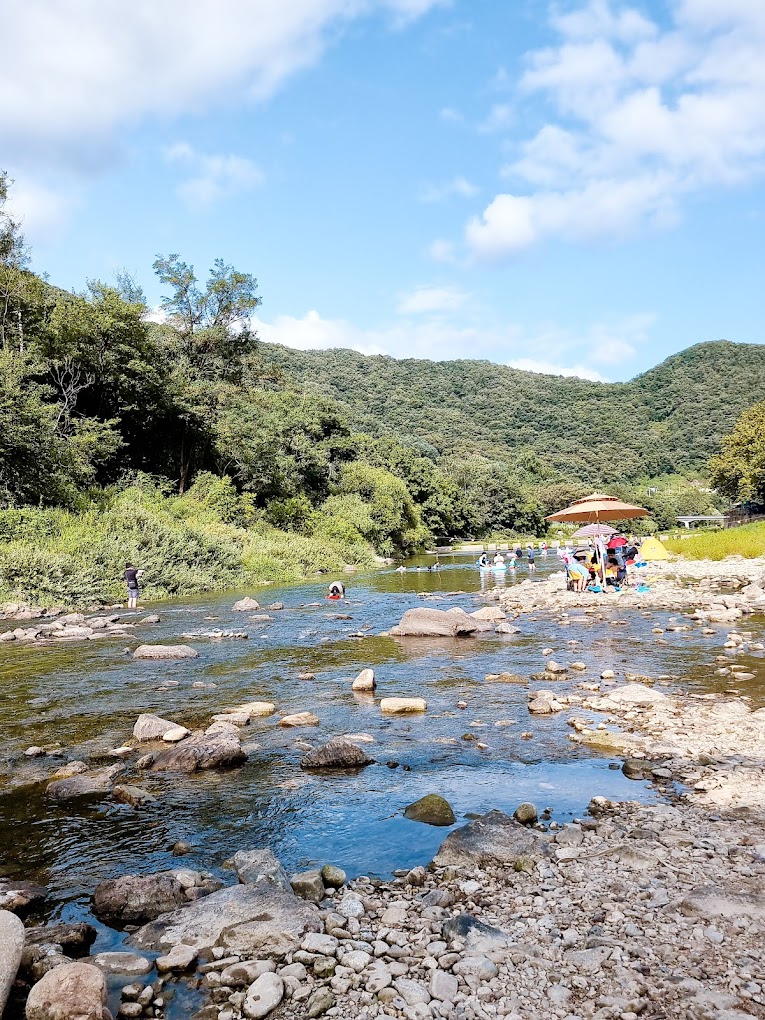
[87, 695]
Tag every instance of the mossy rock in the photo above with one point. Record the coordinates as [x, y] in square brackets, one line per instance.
[432, 810]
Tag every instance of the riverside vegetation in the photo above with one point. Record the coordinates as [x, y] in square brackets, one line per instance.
[247, 462]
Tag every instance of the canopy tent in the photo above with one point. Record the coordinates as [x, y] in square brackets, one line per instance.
[652, 549]
[594, 531]
[596, 508]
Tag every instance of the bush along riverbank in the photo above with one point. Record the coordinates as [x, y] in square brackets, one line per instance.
[209, 539]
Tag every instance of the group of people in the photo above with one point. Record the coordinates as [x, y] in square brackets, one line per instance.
[513, 560]
[588, 566]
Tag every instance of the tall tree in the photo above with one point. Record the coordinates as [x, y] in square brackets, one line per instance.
[14, 260]
[738, 471]
[209, 346]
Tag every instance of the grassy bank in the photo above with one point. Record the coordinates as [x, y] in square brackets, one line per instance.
[209, 539]
[747, 541]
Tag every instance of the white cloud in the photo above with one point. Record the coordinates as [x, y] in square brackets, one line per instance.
[73, 73]
[600, 350]
[549, 368]
[431, 300]
[451, 116]
[643, 116]
[41, 210]
[212, 177]
[458, 187]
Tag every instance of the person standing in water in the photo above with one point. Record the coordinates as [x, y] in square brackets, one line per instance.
[336, 590]
[531, 556]
[131, 576]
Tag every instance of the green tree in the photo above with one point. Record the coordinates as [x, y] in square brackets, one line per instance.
[208, 345]
[14, 260]
[738, 471]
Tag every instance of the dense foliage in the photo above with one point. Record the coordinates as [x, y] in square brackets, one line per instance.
[738, 471]
[314, 458]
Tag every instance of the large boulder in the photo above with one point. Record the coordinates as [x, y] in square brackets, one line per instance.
[299, 719]
[135, 899]
[165, 652]
[246, 605]
[253, 921]
[11, 948]
[152, 727]
[73, 991]
[365, 681]
[253, 866]
[494, 838]
[432, 810]
[435, 623]
[337, 754]
[634, 696]
[216, 750]
[86, 784]
[75, 939]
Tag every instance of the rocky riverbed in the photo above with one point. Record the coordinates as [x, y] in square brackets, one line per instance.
[627, 910]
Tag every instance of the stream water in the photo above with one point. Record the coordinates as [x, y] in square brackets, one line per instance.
[86, 695]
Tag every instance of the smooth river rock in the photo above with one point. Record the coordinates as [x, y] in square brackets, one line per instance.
[432, 810]
[134, 899]
[337, 754]
[152, 727]
[299, 719]
[494, 838]
[402, 706]
[365, 681]
[165, 652]
[246, 605]
[254, 921]
[11, 948]
[130, 964]
[202, 751]
[435, 623]
[86, 784]
[73, 991]
[263, 996]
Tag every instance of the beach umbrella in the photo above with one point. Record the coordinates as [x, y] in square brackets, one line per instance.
[616, 542]
[595, 509]
[594, 531]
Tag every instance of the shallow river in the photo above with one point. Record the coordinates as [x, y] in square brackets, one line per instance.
[87, 696]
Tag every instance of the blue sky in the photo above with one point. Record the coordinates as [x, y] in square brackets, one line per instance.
[571, 187]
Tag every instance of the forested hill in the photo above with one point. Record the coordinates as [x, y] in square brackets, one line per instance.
[671, 418]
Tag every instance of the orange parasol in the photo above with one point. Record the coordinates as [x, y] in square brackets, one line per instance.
[596, 508]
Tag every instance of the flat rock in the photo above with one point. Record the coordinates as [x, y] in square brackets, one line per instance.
[133, 899]
[261, 865]
[299, 719]
[86, 784]
[260, 920]
[635, 695]
[74, 939]
[255, 709]
[710, 902]
[179, 958]
[435, 623]
[402, 706]
[337, 754]
[73, 991]
[165, 652]
[490, 614]
[130, 964]
[135, 796]
[11, 948]
[431, 809]
[202, 751]
[493, 838]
